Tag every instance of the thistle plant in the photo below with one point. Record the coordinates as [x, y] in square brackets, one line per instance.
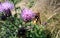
[13, 27]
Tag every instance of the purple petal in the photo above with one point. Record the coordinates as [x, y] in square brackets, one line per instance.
[8, 5]
[1, 8]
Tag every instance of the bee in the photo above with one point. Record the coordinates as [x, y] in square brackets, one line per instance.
[37, 19]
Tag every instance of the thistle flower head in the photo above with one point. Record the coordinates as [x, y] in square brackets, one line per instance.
[8, 5]
[27, 14]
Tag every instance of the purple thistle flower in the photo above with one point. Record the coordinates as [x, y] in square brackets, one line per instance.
[8, 5]
[27, 14]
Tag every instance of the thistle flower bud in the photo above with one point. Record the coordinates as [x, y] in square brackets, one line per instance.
[22, 31]
[3, 17]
